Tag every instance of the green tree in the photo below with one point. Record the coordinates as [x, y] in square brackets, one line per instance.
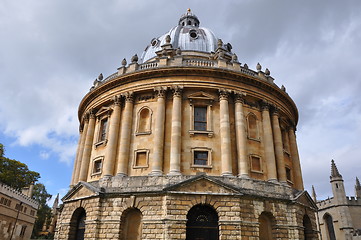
[44, 212]
[17, 175]
[14, 173]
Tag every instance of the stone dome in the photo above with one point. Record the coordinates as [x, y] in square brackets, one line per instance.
[188, 36]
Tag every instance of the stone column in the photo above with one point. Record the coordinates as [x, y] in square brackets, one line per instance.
[88, 145]
[268, 143]
[297, 174]
[225, 133]
[241, 137]
[110, 153]
[79, 153]
[175, 144]
[126, 126]
[157, 161]
[277, 138]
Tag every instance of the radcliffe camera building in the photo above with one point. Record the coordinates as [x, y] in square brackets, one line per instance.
[185, 142]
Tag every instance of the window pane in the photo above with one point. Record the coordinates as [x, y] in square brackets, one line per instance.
[256, 163]
[200, 118]
[103, 129]
[200, 157]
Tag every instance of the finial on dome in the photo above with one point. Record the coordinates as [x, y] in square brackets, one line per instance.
[259, 67]
[189, 10]
[134, 58]
[167, 39]
[220, 43]
[267, 72]
[124, 62]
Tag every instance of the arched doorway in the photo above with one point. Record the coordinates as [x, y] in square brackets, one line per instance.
[266, 221]
[329, 227]
[307, 228]
[77, 225]
[202, 223]
[131, 225]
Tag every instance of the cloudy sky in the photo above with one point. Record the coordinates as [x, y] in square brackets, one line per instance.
[51, 52]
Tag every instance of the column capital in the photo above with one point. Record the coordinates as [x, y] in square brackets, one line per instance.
[276, 111]
[265, 106]
[223, 94]
[160, 91]
[239, 97]
[292, 126]
[91, 113]
[117, 100]
[177, 91]
[128, 96]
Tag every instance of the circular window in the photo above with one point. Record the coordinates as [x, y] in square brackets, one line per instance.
[154, 42]
[193, 34]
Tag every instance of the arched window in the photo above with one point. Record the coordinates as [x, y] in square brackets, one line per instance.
[144, 121]
[202, 223]
[77, 224]
[329, 226]
[252, 126]
[308, 232]
[131, 225]
[266, 221]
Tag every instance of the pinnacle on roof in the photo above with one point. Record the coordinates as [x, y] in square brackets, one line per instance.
[334, 170]
[314, 196]
[358, 185]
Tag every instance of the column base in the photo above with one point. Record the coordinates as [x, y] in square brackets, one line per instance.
[244, 176]
[227, 174]
[122, 175]
[156, 173]
[107, 177]
[273, 180]
[174, 173]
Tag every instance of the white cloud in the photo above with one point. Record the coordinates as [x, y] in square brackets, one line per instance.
[52, 51]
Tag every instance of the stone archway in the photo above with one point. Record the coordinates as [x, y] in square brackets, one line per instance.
[77, 224]
[202, 223]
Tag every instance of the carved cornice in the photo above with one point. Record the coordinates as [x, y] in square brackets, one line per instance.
[223, 76]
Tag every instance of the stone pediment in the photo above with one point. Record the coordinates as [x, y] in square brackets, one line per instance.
[203, 184]
[81, 190]
[305, 199]
[201, 96]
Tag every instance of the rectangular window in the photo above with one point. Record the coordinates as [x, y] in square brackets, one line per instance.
[2, 200]
[103, 129]
[97, 166]
[32, 212]
[22, 232]
[200, 118]
[288, 174]
[141, 158]
[201, 158]
[256, 164]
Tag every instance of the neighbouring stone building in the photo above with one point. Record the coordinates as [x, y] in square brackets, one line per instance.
[186, 142]
[339, 217]
[17, 213]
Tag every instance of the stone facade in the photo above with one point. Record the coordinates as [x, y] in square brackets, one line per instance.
[339, 217]
[17, 214]
[187, 143]
[164, 202]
